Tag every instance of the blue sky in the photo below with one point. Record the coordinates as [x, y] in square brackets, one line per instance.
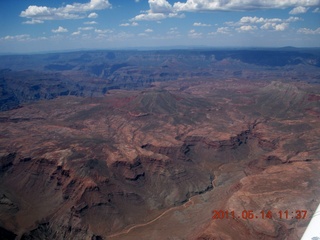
[54, 25]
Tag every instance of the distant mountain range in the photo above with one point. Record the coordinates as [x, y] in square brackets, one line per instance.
[25, 78]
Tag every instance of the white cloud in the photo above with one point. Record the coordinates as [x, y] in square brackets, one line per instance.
[309, 31]
[199, 24]
[193, 34]
[281, 26]
[70, 11]
[299, 10]
[148, 30]
[33, 11]
[90, 23]
[246, 20]
[59, 30]
[21, 37]
[223, 30]
[76, 33]
[317, 10]
[267, 26]
[216, 5]
[93, 15]
[156, 16]
[256, 20]
[149, 17]
[246, 28]
[33, 21]
[293, 19]
[160, 6]
[275, 24]
[129, 24]
[85, 28]
[103, 31]
[159, 9]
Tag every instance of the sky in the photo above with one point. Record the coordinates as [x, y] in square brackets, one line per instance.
[29, 26]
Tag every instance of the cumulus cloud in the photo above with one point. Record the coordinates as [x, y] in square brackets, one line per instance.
[161, 9]
[70, 11]
[281, 27]
[274, 24]
[133, 24]
[299, 10]
[309, 31]
[160, 6]
[293, 19]
[76, 33]
[148, 30]
[223, 30]
[257, 20]
[194, 34]
[149, 17]
[199, 24]
[234, 5]
[246, 20]
[93, 15]
[59, 30]
[246, 28]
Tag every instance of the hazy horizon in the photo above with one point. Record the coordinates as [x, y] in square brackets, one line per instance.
[160, 48]
[45, 26]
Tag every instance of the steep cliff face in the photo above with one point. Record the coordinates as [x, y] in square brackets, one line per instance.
[93, 199]
[64, 199]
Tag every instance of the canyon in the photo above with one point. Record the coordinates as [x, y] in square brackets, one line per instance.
[148, 145]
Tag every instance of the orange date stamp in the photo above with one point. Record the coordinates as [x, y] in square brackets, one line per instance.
[264, 214]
